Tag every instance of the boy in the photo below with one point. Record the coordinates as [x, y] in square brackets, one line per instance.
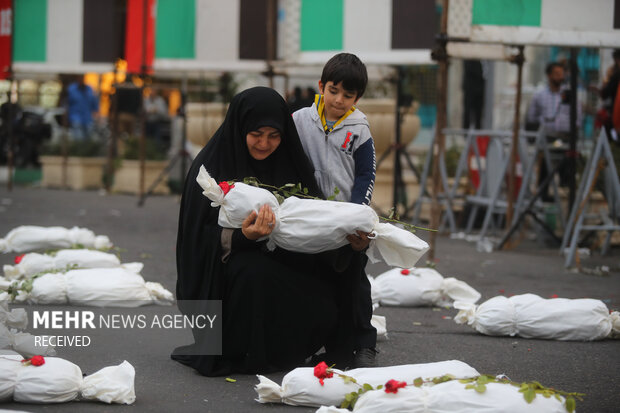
[336, 137]
[335, 134]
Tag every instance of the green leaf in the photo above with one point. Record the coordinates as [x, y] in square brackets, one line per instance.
[570, 404]
[228, 379]
[349, 396]
[367, 387]
[418, 382]
[348, 379]
[480, 388]
[305, 191]
[485, 379]
[379, 387]
[529, 395]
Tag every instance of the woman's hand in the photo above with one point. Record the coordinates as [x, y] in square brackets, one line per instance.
[359, 241]
[258, 225]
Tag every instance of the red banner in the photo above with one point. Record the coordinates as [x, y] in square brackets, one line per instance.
[6, 36]
[138, 52]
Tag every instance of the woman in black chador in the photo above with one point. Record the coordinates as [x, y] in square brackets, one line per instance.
[279, 307]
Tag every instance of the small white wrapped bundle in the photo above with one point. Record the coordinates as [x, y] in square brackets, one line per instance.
[11, 338]
[98, 287]
[452, 396]
[530, 316]
[311, 225]
[417, 287]
[59, 381]
[34, 263]
[31, 238]
[301, 388]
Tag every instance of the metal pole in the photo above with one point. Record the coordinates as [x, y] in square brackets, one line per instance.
[143, 70]
[9, 154]
[572, 167]
[518, 59]
[182, 151]
[441, 55]
[397, 189]
[114, 137]
[270, 40]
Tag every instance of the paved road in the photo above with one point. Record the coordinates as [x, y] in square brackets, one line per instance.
[148, 234]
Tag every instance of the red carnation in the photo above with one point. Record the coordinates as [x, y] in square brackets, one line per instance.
[392, 386]
[405, 271]
[226, 186]
[322, 371]
[18, 258]
[35, 361]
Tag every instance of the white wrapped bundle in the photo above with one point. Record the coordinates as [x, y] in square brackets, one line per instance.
[11, 338]
[310, 225]
[452, 396]
[34, 263]
[31, 238]
[301, 388]
[59, 381]
[417, 287]
[530, 316]
[379, 322]
[99, 287]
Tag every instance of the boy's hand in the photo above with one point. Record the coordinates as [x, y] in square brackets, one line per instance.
[359, 241]
[258, 225]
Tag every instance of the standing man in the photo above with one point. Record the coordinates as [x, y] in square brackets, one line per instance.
[81, 105]
[550, 109]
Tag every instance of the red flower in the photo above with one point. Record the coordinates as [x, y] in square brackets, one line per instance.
[226, 187]
[18, 258]
[392, 386]
[35, 361]
[322, 371]
[405, 271]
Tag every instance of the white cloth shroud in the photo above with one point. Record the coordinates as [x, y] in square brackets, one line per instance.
[31, 238]
[21, 342]
[380, 323]
[531, 316]
[58, 381]
[419, 287]
[34, 263]
[301, 388]
[311, 225]
[452, 396]
[98, 287]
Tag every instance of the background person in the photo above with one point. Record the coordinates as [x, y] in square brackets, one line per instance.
[82, 106]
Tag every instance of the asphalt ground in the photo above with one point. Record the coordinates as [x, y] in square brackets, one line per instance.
[416, 335]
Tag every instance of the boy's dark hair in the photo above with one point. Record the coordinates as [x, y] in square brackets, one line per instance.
[348, 69]
[552, 66]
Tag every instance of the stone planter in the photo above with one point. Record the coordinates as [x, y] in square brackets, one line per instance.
[82, 173]
[127, 177]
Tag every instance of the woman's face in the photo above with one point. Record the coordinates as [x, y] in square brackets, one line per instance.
[263, 142]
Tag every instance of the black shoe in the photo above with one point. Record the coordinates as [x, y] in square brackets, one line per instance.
[339, 360]
[366, 357]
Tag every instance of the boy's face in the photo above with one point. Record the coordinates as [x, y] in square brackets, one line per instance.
[337, 100]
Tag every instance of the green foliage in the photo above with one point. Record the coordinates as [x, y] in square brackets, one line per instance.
[282, 192]
[529, 390]
[87, 148]
[152, 151]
